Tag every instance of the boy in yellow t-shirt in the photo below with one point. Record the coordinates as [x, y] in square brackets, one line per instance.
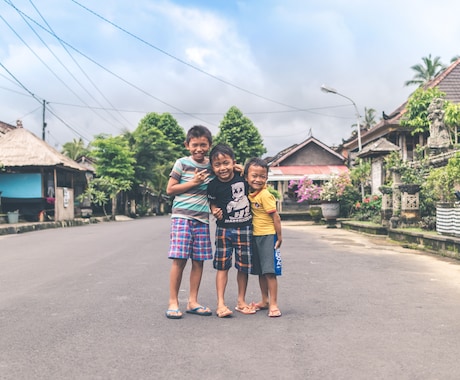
[267, 237]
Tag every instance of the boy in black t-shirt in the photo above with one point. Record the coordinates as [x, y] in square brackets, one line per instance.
[228, 197]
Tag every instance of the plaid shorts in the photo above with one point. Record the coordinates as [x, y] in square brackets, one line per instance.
[229, 240]
[189, 239]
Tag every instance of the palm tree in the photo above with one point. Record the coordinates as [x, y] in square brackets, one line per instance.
[75, 149]
[427, 71]
[369, 118]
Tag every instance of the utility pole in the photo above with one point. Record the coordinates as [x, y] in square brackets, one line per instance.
[44, 123]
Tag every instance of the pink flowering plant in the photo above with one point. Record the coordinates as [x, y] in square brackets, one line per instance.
[329, 191]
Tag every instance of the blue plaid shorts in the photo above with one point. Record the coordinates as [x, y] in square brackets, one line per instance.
[189, 239]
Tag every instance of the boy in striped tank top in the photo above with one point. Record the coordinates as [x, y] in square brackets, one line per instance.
[190, 235]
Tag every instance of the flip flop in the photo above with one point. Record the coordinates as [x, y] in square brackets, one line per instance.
[274, 313]
[173, 314]
[197, 311]
[224, 312]
[257, 307]
[245, 310]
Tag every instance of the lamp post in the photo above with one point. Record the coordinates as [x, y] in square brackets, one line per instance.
[330, 90]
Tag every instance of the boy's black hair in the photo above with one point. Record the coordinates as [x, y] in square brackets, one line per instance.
[223, 149]
[199, 131]
[256, 161]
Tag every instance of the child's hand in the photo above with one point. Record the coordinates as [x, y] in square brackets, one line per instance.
[238, 168]
[200, 176]
[278, 243]
[217, 213]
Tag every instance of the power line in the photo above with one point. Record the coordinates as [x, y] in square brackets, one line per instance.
[109, 71]
[182, 61]
[81, 70]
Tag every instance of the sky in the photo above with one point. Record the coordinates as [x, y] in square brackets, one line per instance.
[101, 66]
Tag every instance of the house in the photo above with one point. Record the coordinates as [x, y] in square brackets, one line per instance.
[389, 135]
[310, 158]
[36, 179]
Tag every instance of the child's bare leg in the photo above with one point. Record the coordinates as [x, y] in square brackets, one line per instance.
[195, 280]
[242, 281]
[175, 279]
[221, 284]
[272, 284]
[263, 304]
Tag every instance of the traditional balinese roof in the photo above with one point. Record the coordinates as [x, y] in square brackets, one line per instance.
[21, 148]
[448, 82]
[377, 148]
[293, 163]
[288, 152]
[5, 127]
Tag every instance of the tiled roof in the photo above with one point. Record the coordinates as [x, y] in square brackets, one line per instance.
[284, 154]
[315, 172]
[448, 82]
[380, 146]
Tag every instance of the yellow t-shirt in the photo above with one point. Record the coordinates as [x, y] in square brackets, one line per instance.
[263, 203]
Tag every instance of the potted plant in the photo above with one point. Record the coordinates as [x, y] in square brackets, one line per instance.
[328, 194]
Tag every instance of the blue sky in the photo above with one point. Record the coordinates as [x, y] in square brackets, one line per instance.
[101, 66]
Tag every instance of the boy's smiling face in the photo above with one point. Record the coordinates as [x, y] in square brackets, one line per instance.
[222, 166]
[257, 177]
[198, 148]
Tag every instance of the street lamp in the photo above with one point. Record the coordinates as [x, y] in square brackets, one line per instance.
[330, 90]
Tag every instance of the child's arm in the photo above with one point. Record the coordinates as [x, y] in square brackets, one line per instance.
[174, 187]
[216, 211]
[277, 222]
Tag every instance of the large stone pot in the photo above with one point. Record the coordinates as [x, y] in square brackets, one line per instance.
[330, 211]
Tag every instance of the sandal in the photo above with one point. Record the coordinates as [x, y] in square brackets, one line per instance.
[245, 309]
[274, 313]
[257, 306]
[224, 312]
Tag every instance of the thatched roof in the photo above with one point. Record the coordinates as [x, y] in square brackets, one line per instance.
[21, 148]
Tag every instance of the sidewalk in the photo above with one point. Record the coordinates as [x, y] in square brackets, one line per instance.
[16, 228]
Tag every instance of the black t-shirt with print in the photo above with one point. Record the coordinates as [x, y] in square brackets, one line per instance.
[232, 198]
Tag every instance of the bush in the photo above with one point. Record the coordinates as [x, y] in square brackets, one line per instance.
[368, 209]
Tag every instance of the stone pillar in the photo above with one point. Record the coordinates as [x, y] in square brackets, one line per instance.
[396, 199]
[386, 211]
[410, 204]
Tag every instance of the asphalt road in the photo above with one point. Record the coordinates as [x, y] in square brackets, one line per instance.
[88, 303]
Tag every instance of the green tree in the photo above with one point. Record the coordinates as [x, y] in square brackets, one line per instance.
[174, 134]
[427, 71]
[360, 174]
[416, 116]
[75, 149]
[155, 151]
[114, 164]
[452, 118]
[240, 133]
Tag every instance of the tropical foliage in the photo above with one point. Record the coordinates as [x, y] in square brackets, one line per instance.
[75, 149]
[368, 208]
[416, 116]
[427, 71]
[240, 133]
[114, 163]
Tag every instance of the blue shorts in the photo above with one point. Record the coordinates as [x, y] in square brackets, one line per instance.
[229, 240]
[189, 239]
